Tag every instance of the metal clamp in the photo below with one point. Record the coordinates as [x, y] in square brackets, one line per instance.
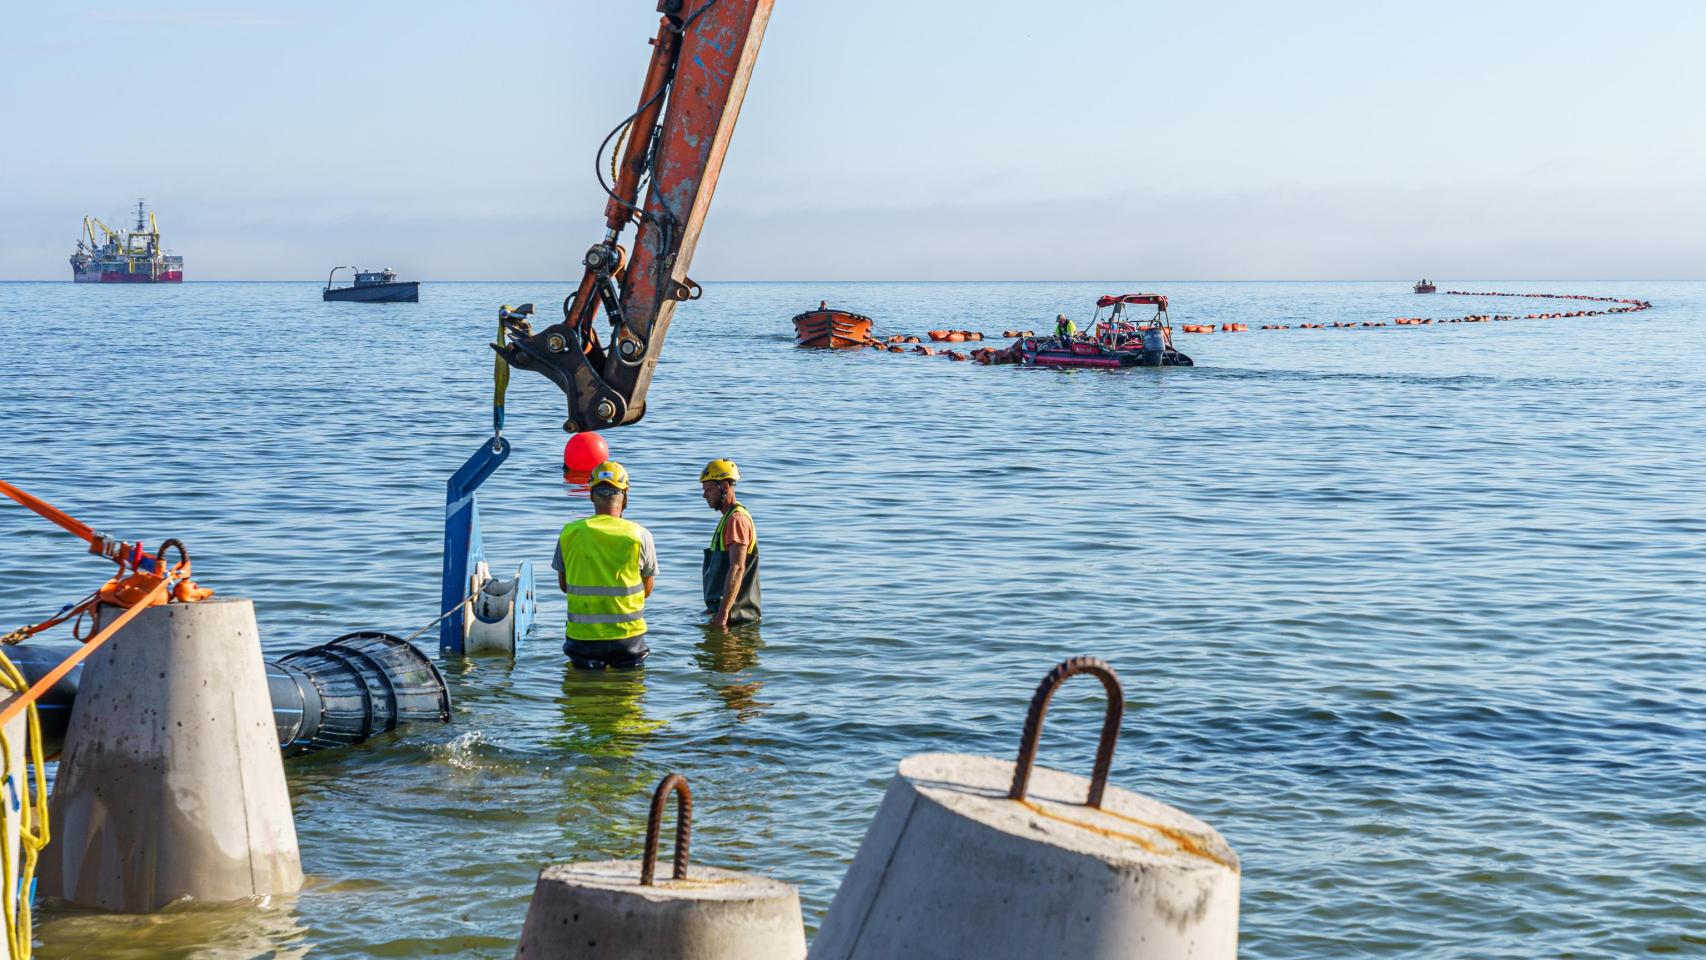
[1034, 725]
[676, 783]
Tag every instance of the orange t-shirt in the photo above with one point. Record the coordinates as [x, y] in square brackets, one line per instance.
[738, 529]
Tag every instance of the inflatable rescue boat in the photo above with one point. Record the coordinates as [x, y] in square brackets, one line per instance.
[1114, 339]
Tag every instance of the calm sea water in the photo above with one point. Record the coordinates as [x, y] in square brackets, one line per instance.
[1412, 615]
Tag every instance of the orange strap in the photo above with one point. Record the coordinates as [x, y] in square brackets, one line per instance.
[66, 521]
[52, 677]
[24, 633]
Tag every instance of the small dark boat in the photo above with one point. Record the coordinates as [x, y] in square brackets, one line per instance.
[1114, 341]
[1425, 286]
[826, 328]
[373, 286]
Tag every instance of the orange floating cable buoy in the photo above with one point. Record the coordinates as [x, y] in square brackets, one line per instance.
[938, 335]
[954, 355]
[896, 348]
[924, 351]
[955, 337]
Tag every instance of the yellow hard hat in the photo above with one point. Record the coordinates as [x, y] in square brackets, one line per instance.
[610, 474]
[720, 470]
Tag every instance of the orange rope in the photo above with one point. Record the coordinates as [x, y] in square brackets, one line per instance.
[41, 686]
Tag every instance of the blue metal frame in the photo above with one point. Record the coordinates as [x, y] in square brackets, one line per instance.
[462, 546]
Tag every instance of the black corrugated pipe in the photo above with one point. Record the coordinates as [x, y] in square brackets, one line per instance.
[352, 688]
[333, 695]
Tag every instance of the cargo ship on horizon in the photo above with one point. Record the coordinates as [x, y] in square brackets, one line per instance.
[133, 256]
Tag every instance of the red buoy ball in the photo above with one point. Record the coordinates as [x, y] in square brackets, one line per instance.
[584, 452]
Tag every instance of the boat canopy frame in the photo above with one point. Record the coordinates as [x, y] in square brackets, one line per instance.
[334, 273]
[1118, 325]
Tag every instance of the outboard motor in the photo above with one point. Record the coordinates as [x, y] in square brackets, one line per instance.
[333, 695]
[1154, 347]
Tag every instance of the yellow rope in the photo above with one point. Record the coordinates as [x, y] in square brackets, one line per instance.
[16, 892]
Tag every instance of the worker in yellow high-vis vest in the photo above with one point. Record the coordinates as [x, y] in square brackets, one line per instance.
[606, 566]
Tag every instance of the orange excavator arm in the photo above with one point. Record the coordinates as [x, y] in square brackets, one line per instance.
[672, 146]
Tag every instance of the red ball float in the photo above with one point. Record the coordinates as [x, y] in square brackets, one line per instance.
[584, 452]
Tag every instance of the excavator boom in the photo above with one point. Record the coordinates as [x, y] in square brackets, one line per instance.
[673, 147]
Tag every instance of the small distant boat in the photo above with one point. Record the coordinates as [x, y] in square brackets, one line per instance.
[1425, 286]
[837, 329]
[372, 286]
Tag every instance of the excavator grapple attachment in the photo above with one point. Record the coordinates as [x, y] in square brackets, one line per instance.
[673, 147]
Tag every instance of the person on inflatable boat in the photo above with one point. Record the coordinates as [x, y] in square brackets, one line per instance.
[1064, 328]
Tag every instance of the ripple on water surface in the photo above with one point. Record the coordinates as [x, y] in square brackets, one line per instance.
[1410, 614]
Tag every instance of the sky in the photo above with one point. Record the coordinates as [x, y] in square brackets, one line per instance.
[881, 139]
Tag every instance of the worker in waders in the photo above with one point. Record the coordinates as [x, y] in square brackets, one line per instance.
[730, 572]
[606, 566]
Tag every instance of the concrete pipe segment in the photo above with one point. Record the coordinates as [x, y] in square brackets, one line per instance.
[619, 910]
[171, 784]
[955, 865]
